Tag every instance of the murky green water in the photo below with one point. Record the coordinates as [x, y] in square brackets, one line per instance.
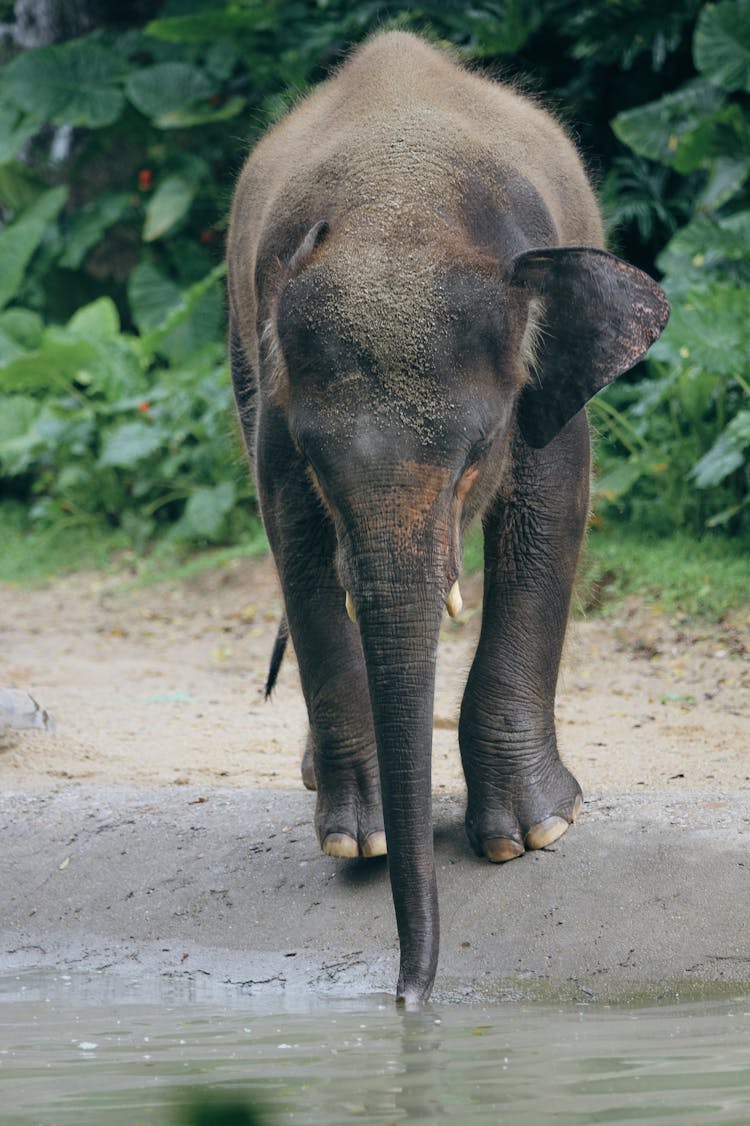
[99, 1049]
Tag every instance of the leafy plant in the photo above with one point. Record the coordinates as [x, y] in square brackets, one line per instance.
[117, 154]
[122, 437]
[686, 427]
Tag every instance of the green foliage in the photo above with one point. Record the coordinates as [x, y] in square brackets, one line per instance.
[20, 239]
[685, 428]
[102, 425]
[722, 44]
[167, 206]
[117, 153]
[77, 83]
[697, 579]
[659, 129]
[122, 437]
[33, 552]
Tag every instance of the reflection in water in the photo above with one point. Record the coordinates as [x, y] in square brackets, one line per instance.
[99, 1049]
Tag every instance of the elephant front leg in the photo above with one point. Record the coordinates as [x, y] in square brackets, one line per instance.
[520, 795]
[340, 759]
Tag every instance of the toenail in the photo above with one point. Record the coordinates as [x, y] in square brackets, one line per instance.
[545, 832]
[500, 849]
[341, 845]
[374, 845]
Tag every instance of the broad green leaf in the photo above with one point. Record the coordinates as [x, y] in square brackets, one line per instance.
[203, 331]
[721, 46]
[212, 24]
[9, 348]
[24, 326]
[655, 130]
[152, 296]
[99, 319]
[15, 130]
[46, 206]
[19, 186]
[727, 175]
[722, 133]
[114, 369]
[739, 428]
[196, 303]
[727, 453]
[696, 390]
[167, 87]
[620, 480]
[203, 114]
[88, 352]
[708, 328]
[705, 243]
[17, 245]
[53, 367]
[17, 412]
[222, 57]
[167, 205]
[89, 226]
[726, 514]
[71, 477]
[19, 438]
[205, 511]
[75, 83]
[720, 145]
[19, 240]
[506, 32]
[130, 443]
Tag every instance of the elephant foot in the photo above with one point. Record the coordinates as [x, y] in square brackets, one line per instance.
[342, 845]
[348, 814]
[522, 813]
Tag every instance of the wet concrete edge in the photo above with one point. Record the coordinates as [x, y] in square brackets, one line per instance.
[648, 894]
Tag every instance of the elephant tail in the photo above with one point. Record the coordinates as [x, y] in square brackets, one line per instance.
[277, 656]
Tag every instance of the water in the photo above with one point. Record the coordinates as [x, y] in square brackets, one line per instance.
[102, 1049]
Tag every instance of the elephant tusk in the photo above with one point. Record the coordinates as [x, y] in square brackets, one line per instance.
[350, 608]
[455, 603]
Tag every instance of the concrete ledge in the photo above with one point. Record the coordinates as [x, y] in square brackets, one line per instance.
[646, 893]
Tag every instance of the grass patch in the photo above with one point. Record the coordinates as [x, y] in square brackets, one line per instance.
[31, 554]
[706, 579]
[166, 564]
[702, 579]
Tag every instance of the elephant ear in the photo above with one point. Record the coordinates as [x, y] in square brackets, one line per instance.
[599, 317]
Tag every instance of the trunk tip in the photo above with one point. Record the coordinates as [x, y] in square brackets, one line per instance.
[413, 1000]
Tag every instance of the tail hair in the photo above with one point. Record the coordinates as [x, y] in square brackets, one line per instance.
[277, 656]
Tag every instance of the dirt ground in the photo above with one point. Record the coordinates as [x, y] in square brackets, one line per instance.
[163, 685]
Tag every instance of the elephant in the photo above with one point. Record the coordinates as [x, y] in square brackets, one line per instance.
[420, 305]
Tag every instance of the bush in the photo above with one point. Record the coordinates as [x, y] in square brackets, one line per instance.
[115, 401]
[684, 430]
[117, 155]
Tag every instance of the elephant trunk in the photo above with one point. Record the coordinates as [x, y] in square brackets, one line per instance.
[400, 629]
[398, 559]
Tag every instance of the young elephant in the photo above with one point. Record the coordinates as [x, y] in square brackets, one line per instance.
[419, 309]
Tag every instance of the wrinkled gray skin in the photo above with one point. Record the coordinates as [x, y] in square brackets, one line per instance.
[419, 309]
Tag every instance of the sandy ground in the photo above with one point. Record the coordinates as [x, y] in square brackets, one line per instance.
[164, 686]
[162, 829]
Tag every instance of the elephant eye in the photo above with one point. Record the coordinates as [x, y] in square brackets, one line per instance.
[478, 452]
